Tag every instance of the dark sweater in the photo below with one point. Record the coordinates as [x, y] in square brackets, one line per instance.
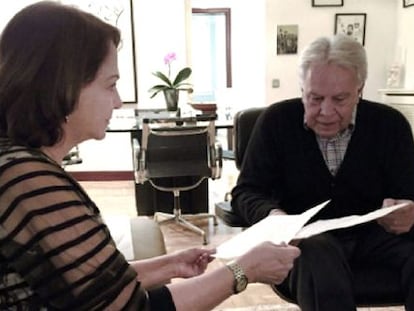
[55, 251]
[284, 168]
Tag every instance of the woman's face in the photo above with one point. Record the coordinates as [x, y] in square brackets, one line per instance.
[96, 102]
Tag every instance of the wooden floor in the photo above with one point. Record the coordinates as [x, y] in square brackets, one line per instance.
[115, 198]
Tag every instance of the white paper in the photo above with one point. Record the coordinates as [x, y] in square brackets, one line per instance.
[275, 228]
[320, 226]
[284, 228]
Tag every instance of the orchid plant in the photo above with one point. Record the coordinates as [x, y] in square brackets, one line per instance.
[178, 83]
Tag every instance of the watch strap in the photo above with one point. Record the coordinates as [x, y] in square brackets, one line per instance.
[240, 279]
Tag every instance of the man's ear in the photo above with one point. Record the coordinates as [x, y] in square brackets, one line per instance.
[361, 89]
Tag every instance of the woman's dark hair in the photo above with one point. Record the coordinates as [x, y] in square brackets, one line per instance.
[48, 52]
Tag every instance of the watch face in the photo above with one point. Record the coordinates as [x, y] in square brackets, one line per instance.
[241, 284]
[240, 279]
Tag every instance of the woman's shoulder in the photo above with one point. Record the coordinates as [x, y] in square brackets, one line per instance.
[12, 154]
[9, 152]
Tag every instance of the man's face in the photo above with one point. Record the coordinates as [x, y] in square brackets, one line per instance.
[330, 93]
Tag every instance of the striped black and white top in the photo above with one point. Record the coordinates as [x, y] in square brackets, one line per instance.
[55, 251]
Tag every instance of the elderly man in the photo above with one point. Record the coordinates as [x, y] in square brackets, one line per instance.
[332, 144]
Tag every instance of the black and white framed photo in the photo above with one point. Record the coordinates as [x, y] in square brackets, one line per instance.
[317, 3]
[351, 24]
[407, 3]
[287, 39]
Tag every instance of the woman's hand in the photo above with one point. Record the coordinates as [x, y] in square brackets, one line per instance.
[268, 263]
[399, 221]
[191, 262]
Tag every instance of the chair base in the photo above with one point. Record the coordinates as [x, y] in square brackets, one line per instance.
[183, 220]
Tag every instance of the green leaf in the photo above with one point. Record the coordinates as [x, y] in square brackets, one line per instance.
[158, 88]
[178, 83]
[183, 86]
[182, 75]
[163, 77]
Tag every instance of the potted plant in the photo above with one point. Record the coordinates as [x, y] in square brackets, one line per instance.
[171, 88]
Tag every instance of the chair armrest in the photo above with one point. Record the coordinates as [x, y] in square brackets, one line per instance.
[216, 163]
[147, 238]
[138, 161]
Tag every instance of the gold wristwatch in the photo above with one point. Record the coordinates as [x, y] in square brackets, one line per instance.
[240, 279]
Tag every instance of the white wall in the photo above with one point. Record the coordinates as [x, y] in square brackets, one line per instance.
[114, 153]
[159, 29]
[405, 43]
[380, 40]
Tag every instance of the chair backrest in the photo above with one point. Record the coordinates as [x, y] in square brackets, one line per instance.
[178, 152]
[175, 153]
[244, 122]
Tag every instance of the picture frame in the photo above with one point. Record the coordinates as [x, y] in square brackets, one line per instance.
[407, 3]
[327, 3]
[287, 39]
[351, 24]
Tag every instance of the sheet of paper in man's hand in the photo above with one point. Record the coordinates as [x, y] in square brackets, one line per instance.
[275, 228]
[320, 226]
[284, 228]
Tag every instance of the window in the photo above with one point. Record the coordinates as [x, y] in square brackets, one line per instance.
[211, 52]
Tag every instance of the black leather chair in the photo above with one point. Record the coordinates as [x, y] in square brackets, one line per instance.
[244, 122]
[178, 154]
[374, 286]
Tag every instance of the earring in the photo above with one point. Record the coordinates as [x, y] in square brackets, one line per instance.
[66, 119]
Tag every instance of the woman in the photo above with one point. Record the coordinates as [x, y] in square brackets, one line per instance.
[58, 74]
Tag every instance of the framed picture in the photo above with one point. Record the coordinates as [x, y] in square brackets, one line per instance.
[351, 24]
[119, 14]
[407, 3]
[287, 39]
[327, 2]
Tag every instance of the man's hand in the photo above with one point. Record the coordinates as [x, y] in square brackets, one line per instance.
[268, 263]
[399, 221]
